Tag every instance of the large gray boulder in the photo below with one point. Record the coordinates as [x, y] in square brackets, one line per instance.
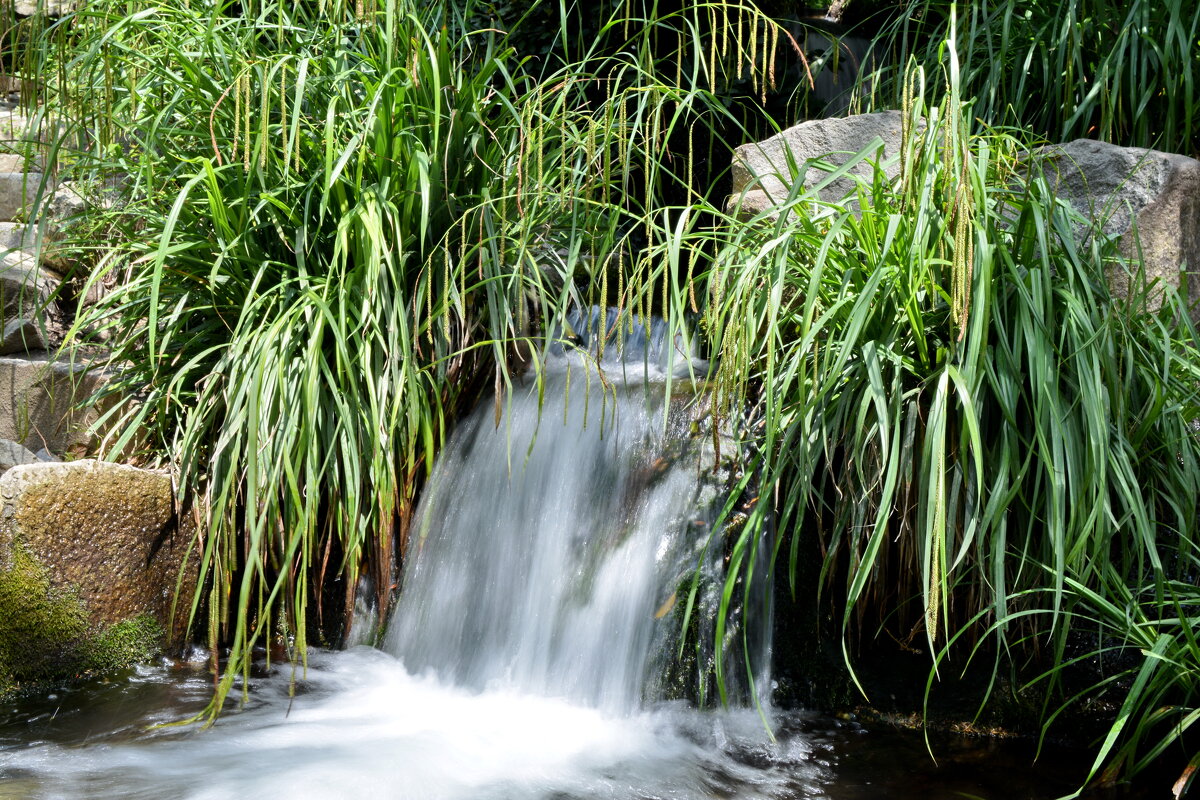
[90, 553]
[1149, 199]
[764, 172]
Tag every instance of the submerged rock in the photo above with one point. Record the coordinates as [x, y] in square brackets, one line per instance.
[90, 553]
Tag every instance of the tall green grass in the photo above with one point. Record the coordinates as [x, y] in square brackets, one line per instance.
[984, 438]
[1122, 72]
[334, 226]
[1135, 640]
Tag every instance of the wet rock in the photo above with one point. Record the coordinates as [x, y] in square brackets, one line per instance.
[38, 399]
[89, 557]
[764, 172]
[13, 454]
[1150, 199]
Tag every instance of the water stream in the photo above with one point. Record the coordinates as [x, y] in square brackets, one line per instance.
[554, 551]
[528, 657]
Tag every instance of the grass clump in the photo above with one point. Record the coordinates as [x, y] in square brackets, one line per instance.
[334, 225]
[953, 400]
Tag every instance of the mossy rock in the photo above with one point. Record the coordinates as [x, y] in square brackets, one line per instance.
[40, 629]
[45, 635]
[90, 555]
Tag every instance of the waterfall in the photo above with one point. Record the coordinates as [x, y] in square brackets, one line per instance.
[536, 637]
[555, 547]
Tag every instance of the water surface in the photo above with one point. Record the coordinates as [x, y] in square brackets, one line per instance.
[361, 726]
[539, 614]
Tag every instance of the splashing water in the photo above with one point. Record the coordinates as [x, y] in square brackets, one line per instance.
[551, 550]
[531, 652]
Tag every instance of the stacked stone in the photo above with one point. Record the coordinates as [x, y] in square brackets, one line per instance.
[39, 392]
[90, 552]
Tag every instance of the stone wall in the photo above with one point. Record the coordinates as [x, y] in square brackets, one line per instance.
[91, 553]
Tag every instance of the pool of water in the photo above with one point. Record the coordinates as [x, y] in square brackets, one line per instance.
[360, 726]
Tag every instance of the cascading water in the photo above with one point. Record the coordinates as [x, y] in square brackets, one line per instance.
[552, 547]
[532, 652]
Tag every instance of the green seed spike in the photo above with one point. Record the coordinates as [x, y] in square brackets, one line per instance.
[244, 82]
[264, 119]
[284, 147]
[237, 117]
[738, 43]
[754, 66]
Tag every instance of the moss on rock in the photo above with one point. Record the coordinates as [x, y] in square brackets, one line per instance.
[132, 641]
[90, 554]
[45, 635]
[41, 629]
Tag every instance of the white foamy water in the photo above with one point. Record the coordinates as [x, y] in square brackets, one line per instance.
[554, 549]
[366, 728]
[525, 659]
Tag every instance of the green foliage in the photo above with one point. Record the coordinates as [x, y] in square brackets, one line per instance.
[1143, 636]
[1124, 72]
[334, 225]
[950, 395]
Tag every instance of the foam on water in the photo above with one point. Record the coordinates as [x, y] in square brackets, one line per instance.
[526, 654]
[366, 728]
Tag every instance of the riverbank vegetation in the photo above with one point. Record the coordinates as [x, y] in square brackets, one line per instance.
[325, 229]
